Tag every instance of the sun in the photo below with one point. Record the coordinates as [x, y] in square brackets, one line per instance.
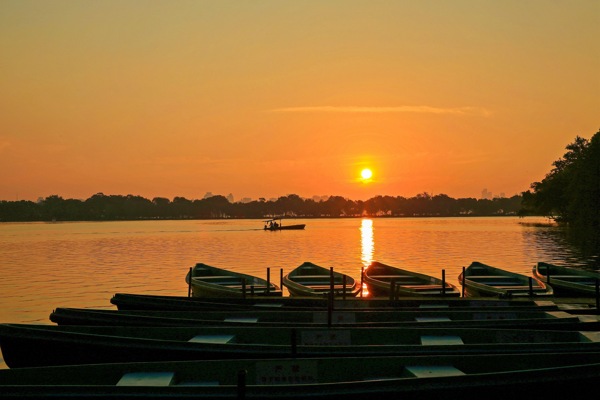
[366, 174]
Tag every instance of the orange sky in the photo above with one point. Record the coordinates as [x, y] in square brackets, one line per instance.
[268, 98]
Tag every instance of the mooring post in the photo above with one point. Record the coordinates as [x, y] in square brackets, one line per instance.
[597, 295]
[190, 284]
[530, 286]
[443, 282]
[463, 283]
[343, 287]
[293, 341]
[241, 384]
[392, 289]
[281, 278]
[331, 286]
[362, 275]
[268, 280]
[243, 288]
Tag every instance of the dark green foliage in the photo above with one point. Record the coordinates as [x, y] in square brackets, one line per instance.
[570, 192]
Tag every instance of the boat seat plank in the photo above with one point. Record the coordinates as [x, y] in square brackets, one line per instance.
[424, 287]
[242, 319]
[429, 340]
[146, 379]
[489, 277]
[432, 319]
[399, 277]
[212, 339]
[429, 371]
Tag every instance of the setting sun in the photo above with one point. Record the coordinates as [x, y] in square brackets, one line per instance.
[366, 174]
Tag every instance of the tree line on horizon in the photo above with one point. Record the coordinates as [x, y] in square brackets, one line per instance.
[569, 194]
[101, 207]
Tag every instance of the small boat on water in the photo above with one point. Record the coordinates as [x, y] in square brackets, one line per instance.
[479, 318]
[313, 280]
[385, 280]
[496, 376]
[274, 225]
[31, 345]
[567, 280]
[133, 301]
[479, 279]
[208, 281]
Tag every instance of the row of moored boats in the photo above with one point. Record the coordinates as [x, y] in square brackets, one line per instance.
[235, 336]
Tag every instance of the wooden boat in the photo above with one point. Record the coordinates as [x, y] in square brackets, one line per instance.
[385, 280]
[28, 345]
[568, 281]
[479, 279]
[132, 301]
[207, 281]
[497, 376]
[430, 318]
[313, 280]
[273, 225]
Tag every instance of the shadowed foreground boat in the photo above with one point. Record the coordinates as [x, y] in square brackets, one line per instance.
[312, 280]
[26, 345]
[385, 280]
[129, 301]
[430, 318]
[568, 281]
[479, 279]
[208, 281]
[531, 376]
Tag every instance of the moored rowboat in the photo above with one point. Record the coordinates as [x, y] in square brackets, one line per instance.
[424, 318]
[385, 280]
[536, 376]
[29, 345]
[132, 301]
[568, 281]
[208, 281]
[313, 280]
[480, 279]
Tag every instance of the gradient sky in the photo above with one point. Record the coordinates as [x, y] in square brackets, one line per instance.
[269, 98]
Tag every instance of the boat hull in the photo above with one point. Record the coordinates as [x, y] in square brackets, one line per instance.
[479, 279]
[311, 280]
[531, 376]
[212, 282]
[28, 345]
[385, 280]
[568, 281]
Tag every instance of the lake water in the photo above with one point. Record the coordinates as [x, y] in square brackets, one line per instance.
[49, 265]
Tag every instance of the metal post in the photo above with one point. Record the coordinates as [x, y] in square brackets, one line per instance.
[331, 286]
[190, 284]
[293, 340]
[281, 278]
[392, 288]
[597, 296]
[463, 283]
[362, 274]
[241, 384]
[443, 282]
[530, 286]
[268, 280]
[243, 288]
[343, 287]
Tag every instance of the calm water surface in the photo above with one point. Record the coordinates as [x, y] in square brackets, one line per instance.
[49, 265]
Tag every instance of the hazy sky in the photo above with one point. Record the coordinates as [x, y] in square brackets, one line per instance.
[269, 98]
